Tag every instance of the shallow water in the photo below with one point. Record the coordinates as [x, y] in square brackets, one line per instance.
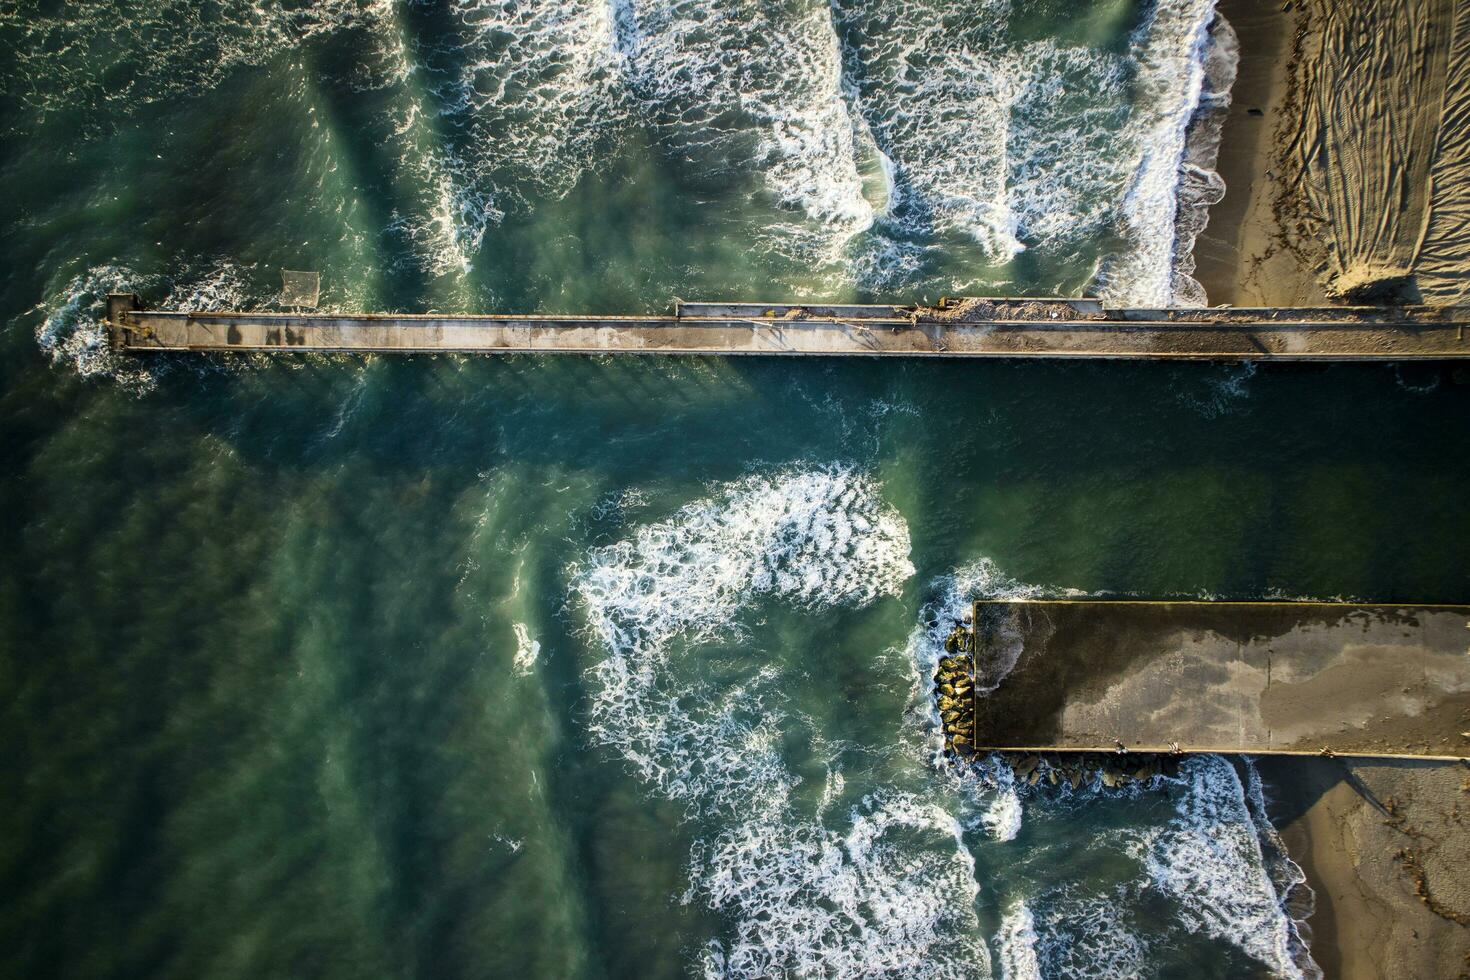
[596, 667]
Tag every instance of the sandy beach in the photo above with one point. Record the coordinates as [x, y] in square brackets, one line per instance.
[1345, 155]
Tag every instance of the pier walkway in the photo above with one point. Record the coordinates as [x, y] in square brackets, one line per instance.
[954, 328]
[1254, 677]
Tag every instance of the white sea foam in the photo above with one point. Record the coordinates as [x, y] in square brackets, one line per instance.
[988, 794]
[72, 332]
[1209, 860]
[923, 117]
[935, 93]
[1002, 816]
[1039, 144]
[891, 895]
[1169, 49]
[883, 128]
[1069, 109]
[749, 86]
[527, 650]
[888, 890]
[1087, 937]
[1288, 879]
[442, 209]
[815, 538]
[1016, 942]
[525, 92]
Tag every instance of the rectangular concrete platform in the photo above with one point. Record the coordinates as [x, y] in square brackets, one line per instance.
[1253, 677]
[1008, 328]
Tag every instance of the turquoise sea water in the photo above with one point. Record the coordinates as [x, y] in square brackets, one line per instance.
[540, 667]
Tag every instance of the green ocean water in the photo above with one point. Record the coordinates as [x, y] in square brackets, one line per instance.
[550, 667]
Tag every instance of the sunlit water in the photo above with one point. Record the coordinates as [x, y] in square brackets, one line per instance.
[592, 667]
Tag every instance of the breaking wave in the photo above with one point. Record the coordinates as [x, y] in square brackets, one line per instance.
[1170, 51]
[1032, 145]
[889, 890]
[1017, 944]
[740, 86]
[1213, 857]
[1210, 860]
[1001, 145]
[1002, 813]
[891, 895]
[526, 94]
[892, 135]
[71, 329]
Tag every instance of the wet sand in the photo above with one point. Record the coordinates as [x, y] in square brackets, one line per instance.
[1241, 259]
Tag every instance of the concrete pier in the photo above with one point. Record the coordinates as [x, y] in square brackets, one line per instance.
[1254, 677]
[955, 328]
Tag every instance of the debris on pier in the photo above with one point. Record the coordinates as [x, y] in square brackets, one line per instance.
[976, 309]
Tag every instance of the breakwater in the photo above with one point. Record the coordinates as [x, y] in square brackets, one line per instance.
[971, 327]
[1258, 677]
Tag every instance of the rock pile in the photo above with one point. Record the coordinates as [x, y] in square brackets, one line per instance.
[1078, 768]
[954, 693]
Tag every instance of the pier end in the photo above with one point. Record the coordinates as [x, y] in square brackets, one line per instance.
[119, 305]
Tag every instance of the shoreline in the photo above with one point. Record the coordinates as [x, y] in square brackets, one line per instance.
[1199, 186]
[1383, 850]
[1240, 257]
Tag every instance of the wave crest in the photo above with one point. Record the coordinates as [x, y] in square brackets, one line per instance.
[892, 889]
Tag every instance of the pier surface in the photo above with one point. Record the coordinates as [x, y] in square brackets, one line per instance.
[955, 328]
[1268, 677]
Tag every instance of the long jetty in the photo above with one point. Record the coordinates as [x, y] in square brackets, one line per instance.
[1293, 678]
[969, 327]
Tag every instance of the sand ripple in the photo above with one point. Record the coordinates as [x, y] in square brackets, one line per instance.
[1382, 145]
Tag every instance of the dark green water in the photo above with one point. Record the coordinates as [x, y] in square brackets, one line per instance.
[537, 667]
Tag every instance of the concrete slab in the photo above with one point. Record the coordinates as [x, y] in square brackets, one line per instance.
[1225, 676]
[972, 328]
